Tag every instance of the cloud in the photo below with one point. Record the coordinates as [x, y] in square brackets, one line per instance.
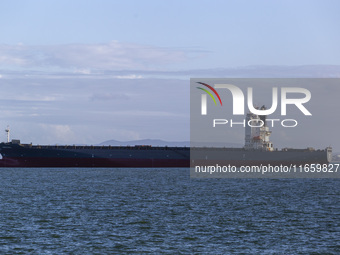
[93, 109]
[62, 133]
[15, 55]
[102, 107]
[109, 96]
[304, 71]
[83, 58]
[83, 71]
[131, 76]
[260, 71]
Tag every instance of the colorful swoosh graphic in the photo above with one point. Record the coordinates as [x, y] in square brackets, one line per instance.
[213, 90]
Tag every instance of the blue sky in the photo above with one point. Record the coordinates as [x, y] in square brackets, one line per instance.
[64, 63]
[208, 33]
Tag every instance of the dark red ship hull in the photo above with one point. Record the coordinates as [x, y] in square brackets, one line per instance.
[89, 162]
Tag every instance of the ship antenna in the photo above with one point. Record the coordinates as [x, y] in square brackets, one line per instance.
[7, 131]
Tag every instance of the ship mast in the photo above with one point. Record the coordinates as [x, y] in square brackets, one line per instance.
[7, 132]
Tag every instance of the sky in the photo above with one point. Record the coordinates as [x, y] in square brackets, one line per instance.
[75, 72]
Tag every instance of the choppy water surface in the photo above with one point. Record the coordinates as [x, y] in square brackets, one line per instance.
[107, 211]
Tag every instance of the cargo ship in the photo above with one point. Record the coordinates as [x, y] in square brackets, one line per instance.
[257, 150]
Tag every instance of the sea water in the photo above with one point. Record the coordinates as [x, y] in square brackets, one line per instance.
[116, 211]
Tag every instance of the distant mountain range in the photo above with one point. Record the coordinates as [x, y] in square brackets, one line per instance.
[158, 142]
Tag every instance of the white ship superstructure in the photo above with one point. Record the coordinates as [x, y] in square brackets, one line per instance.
[257, 133]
